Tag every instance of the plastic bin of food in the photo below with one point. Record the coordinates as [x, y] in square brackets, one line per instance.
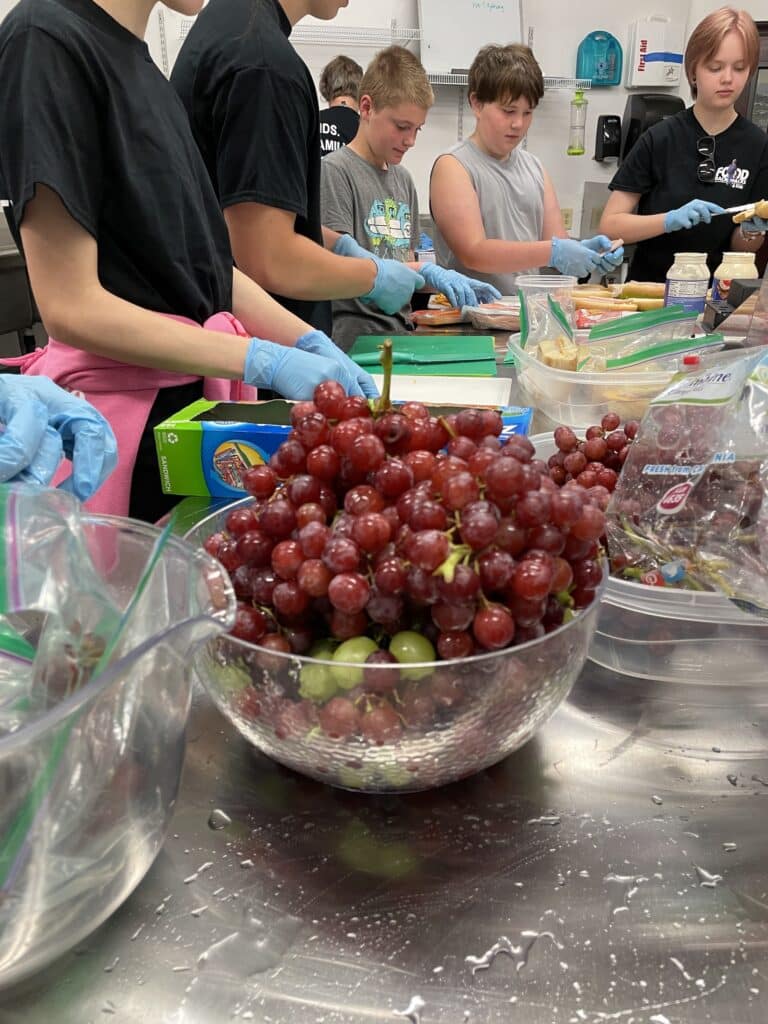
[673, 635]
[679, 636]
[579, 398]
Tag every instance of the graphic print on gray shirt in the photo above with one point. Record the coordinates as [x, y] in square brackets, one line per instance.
[379, 209]
[511, 197]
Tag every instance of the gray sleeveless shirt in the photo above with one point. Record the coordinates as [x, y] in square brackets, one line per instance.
[511, 197]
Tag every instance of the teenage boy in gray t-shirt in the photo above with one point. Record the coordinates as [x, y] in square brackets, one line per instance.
[371, 200]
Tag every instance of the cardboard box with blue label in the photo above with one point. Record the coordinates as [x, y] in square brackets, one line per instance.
[206, 447]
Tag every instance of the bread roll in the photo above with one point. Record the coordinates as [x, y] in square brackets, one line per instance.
[645, 304]
[758, 209]
[642, 290]
[598, 304]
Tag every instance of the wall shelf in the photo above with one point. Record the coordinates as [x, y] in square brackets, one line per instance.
[549, 81]
[321, 35]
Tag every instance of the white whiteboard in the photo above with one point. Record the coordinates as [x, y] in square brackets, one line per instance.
[452, 31]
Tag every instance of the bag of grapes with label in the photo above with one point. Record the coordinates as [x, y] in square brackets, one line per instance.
[690, 504]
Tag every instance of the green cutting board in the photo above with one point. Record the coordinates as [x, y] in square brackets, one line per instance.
[478, 350]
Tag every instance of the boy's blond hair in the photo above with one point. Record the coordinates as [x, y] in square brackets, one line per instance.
[395, 76]
[502, 74]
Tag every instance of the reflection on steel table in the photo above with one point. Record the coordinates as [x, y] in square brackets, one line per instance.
[614, 869]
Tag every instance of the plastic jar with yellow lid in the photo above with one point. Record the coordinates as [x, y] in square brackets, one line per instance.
[735, 265]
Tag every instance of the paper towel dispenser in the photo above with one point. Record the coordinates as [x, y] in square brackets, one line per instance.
[642, 111]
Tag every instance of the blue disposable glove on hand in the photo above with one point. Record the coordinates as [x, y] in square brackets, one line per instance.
[321, 345]
[697, 211]
[291, 372]
[608, 260]
[43, 423]
[458, 289]
[570, 256]
[755, 226]
[394, 284]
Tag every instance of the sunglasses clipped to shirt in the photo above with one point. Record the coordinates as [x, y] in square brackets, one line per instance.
[706, 170]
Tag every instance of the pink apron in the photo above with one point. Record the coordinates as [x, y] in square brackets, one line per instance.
[124, 395]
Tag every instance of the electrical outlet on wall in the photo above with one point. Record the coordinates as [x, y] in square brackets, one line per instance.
[567, 215]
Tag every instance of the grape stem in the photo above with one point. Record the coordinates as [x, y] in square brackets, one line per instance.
[448, 569]
[447, 426]
[384, 404]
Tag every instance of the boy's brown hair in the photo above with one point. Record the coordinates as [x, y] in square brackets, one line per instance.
[340, 77]
[502, 74]
[396, 76]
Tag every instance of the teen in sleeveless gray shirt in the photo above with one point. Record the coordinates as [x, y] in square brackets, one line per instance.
[495, 210]
[511, 195]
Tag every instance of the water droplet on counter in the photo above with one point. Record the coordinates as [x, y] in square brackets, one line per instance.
[716, 750]
[733, 779]
[482, 963]
[729, 847]
[199, 911]
[412, 1010]
[109, 1007]
[137, 933]
[218, 820]
[657, 800]
[659, 1018]
[545, 819]
[705, 878]
[438, 970]
[257, 946]
[533, 938]
[756, 778]
[247, 863]
[678, 964]
[110, 967]
[181, 969]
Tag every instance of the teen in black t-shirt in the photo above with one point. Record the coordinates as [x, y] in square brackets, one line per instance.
[338, 126]
[118, 222]
[254, 114]
[666, 194]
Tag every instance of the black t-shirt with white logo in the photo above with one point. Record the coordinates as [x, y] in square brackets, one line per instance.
[662, 166]
[338, 126]
[87, 113]
[254, 114]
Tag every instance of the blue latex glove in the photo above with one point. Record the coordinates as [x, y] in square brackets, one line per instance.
[291, 372]
[44, 423]
[458, 289]
[608, 260]
[394, 284]
[755, 226]
[321, 345]
[697, 211]
[570, 256]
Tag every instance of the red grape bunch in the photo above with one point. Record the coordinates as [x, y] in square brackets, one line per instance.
[596, 460]
[399, 536]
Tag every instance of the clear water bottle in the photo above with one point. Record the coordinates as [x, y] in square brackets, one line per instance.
[578, 124]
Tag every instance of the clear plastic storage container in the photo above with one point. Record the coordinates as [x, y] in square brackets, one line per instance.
[675, 636]
[578, 398]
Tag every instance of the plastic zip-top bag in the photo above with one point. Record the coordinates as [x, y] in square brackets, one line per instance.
[692, 492]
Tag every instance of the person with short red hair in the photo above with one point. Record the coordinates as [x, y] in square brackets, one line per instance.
[685, 170]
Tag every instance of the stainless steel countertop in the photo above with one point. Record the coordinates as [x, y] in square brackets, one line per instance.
[316, 905]
[619, 858]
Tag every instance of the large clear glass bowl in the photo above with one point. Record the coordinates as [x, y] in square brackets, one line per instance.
[87, 788]
[470, 712]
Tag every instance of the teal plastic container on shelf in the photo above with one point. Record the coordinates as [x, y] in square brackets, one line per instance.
[600, 59]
